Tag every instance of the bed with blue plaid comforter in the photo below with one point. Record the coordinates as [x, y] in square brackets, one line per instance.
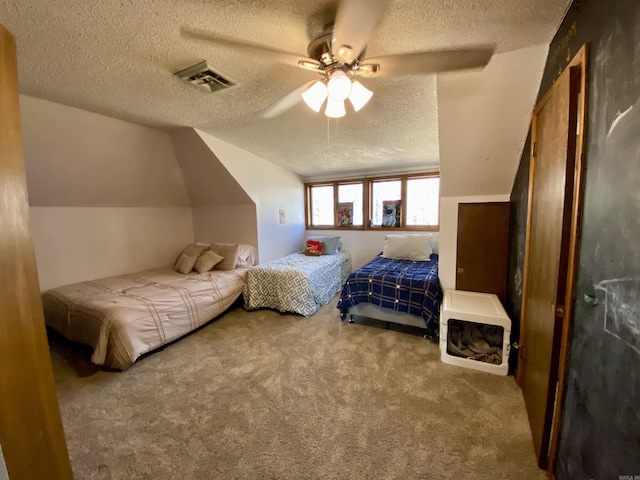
[400, 285]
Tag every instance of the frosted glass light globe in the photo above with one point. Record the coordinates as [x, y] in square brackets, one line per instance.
[339, 86]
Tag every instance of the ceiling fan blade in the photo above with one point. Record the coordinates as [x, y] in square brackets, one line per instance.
[265, 52]
[355, 20]
[290, 100]
[420, 63]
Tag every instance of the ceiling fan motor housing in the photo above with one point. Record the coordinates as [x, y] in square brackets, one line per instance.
[319, 48]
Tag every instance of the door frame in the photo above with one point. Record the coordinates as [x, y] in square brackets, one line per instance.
[579, 61]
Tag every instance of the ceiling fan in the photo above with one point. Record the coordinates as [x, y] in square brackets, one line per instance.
[338, 55]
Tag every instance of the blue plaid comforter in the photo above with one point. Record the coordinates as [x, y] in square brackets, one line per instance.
[401, 285]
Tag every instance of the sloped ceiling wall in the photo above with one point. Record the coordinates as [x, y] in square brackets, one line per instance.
[222, 211]
[273, 189]
[106, 196]
[208, 181]
[483, 121]
[78, 158]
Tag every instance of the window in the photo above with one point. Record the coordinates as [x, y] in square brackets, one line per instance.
[409, 202]
[322, 205]
[352, 193]
[422, 201]
[386, 199]
[335, 204]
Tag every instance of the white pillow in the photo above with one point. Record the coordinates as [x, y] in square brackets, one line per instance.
[408, 247]
[246, 255]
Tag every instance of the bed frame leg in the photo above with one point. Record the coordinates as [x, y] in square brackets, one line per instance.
[433, 337]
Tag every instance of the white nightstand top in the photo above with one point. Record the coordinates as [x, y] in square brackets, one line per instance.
[474, 307]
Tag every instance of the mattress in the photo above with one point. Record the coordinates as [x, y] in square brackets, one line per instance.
[399, 285]
[296, 283]
[126, 316]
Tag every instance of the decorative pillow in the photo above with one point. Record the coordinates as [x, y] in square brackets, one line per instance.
[407, 247]
[331, 244]
[313, 248]
[207, 261]
[193, 250]
[185, 264]
[229, 251]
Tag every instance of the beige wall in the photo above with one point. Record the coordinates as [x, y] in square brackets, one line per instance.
[271, 188]
[73, 244]
[106, 196]
[449, 233]
[226, 224]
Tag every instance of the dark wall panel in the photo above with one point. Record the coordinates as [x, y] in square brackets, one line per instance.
[600, 434]
[518, 229]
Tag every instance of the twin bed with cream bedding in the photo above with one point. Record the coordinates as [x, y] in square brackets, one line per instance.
[126, 316]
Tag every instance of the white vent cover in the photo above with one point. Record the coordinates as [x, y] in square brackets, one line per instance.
[203, 76]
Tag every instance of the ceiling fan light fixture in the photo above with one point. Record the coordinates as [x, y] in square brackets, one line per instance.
[359, 95]
[315, 96]
[339, 85]
[335, 108]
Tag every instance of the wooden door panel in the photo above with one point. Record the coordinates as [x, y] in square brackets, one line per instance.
[31, 432]
[553, 154]
[482, 248]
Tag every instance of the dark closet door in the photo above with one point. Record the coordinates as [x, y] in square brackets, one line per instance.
[482, 251]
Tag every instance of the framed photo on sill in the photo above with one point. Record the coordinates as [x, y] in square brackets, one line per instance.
[391, 213]
[344, 214]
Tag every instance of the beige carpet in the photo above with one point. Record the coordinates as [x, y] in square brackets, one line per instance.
[263, 395]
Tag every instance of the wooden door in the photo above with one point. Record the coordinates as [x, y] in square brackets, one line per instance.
[482, 248]
[548, 249]
[31, 433]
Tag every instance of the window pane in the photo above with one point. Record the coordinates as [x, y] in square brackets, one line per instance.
[423, 201]
[322, 205]
[385, 211]
[352, 193]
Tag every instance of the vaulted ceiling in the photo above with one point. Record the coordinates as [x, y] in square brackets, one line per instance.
[118, 57]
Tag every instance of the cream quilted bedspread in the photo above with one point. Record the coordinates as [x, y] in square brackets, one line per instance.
[126, 316]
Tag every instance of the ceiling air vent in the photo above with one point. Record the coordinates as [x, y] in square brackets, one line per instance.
[203, 76]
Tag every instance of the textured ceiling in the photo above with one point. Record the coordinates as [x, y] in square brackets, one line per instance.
[117, 58]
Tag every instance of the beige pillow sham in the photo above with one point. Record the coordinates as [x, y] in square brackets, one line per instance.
[229, 251]
[207, 261]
